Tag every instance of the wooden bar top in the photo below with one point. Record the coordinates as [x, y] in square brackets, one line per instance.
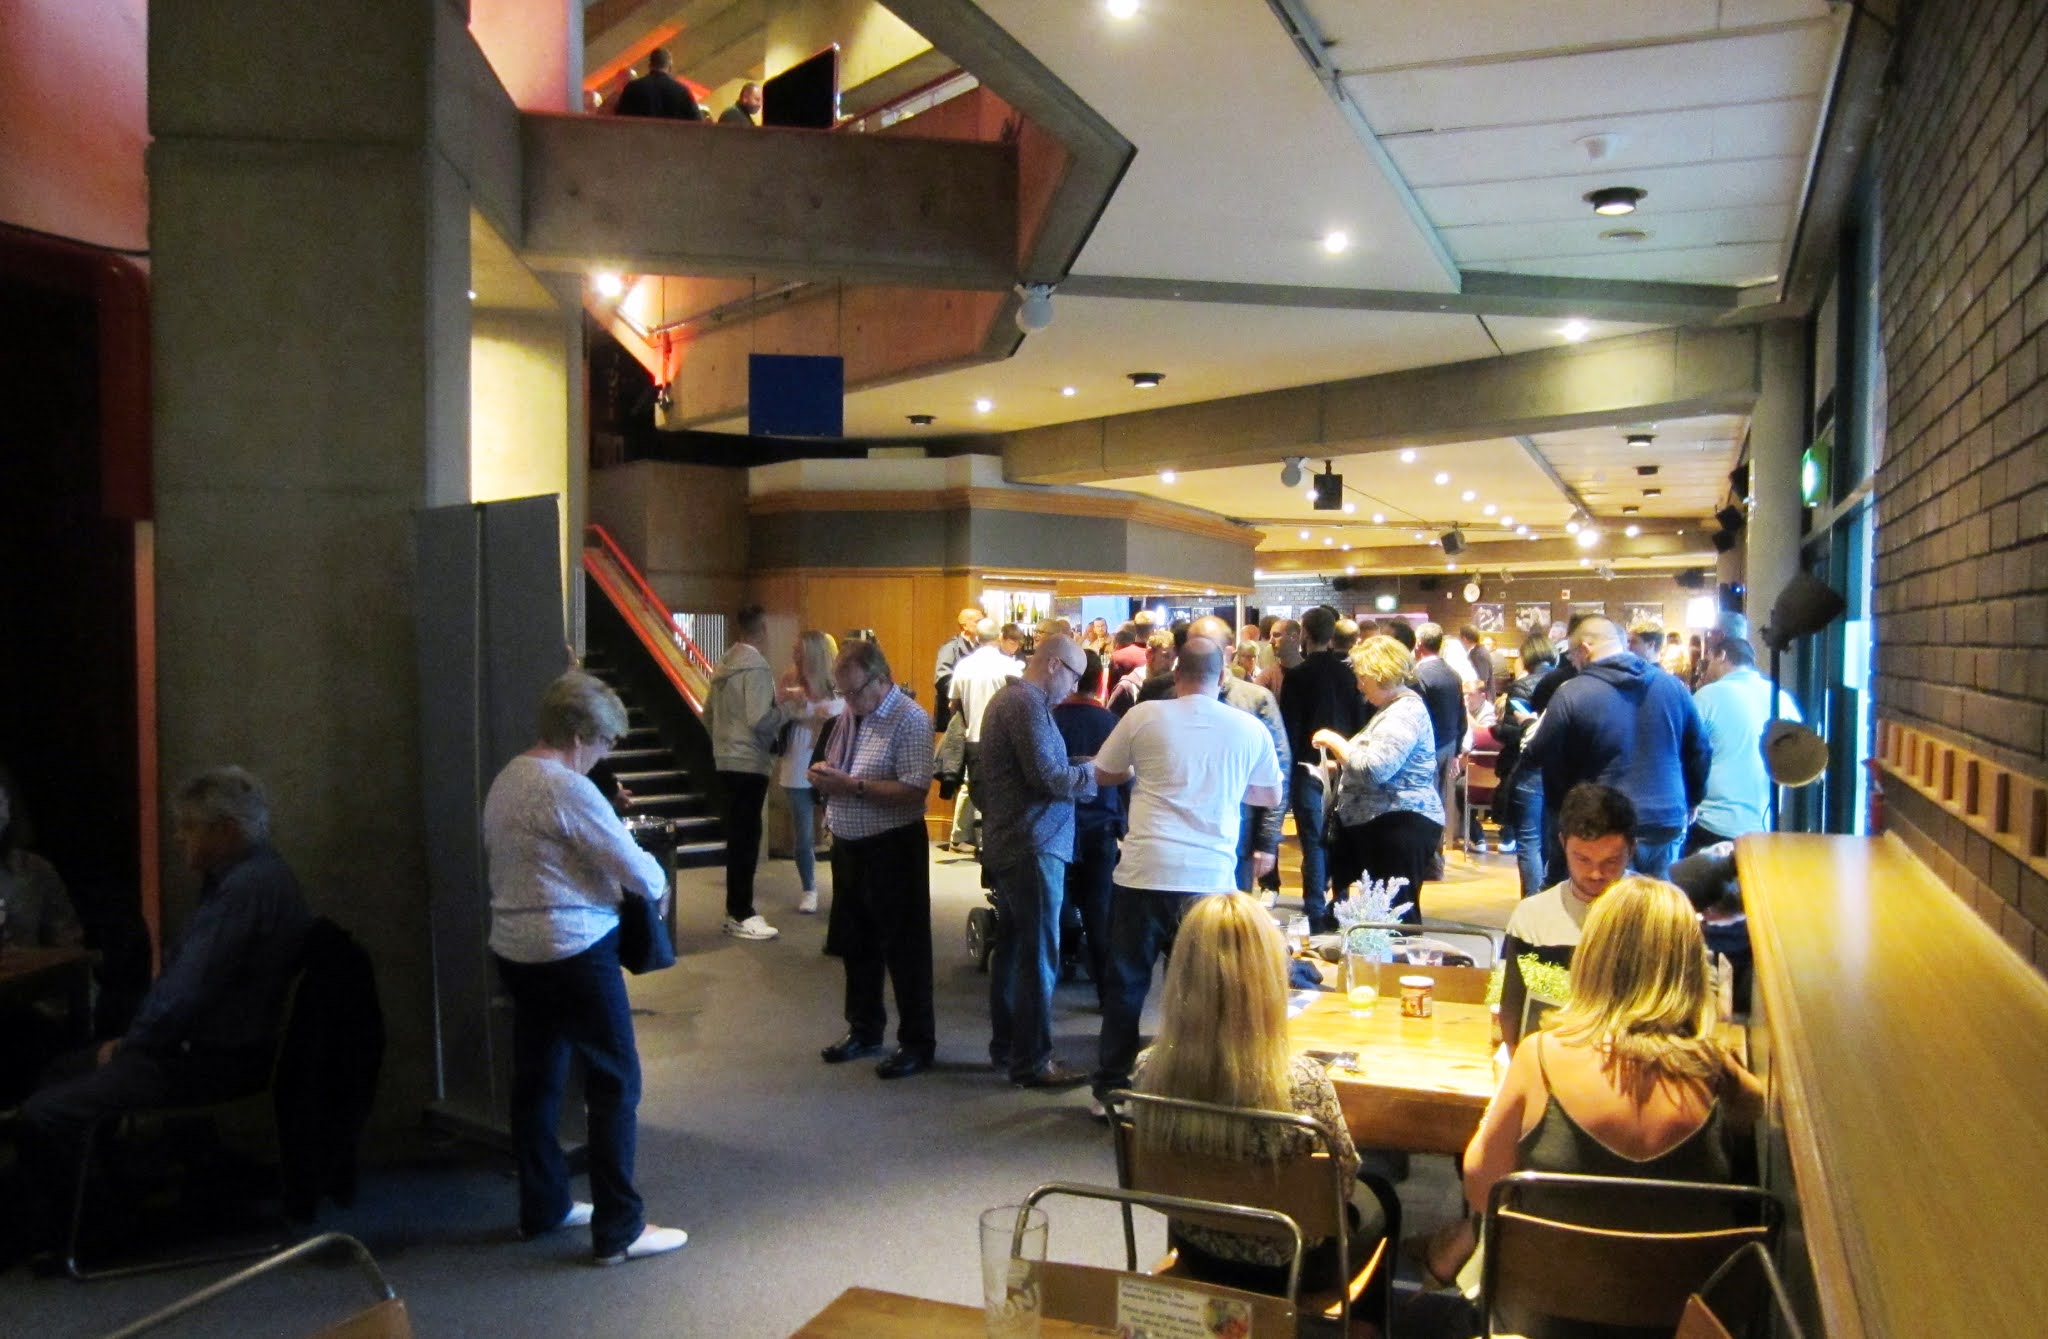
[869, 1313]
[1910, 1057]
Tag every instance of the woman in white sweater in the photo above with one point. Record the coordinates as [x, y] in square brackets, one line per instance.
[559, 858]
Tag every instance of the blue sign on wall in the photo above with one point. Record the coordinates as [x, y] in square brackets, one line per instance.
[795, 395]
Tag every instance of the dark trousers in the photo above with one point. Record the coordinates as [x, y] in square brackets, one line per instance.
[576, 1005]
[1088, 891]
[1025, 966]
[1142, 925]
[745, 793]
[1699, 838]
[1397, 845]
[882, 922]
[1305, 798]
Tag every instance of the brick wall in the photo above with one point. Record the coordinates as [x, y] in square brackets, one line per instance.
[1962, 490]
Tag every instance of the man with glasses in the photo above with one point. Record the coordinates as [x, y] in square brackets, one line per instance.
[1027, 787]
[876, 772]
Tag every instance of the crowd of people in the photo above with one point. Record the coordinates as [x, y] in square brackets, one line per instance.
[658, 93]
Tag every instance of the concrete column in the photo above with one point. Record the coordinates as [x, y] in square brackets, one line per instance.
[1777, 437]
[310, 261]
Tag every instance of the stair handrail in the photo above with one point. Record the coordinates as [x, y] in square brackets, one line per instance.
[670, 651]
[683, 639]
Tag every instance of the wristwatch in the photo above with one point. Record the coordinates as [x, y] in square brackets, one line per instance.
[860, 787]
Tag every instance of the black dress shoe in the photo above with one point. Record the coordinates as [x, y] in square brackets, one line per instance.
[850, 1047]
[1052, 1074]
[904, 1063]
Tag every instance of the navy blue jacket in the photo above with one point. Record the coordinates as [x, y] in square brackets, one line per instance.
[1624, 723]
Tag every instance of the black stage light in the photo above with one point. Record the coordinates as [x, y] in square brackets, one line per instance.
[1454, 541]
[1731, 518]
[1329, 490]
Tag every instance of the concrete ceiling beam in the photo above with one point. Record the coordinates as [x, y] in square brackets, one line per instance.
[1564, 554]
[612, 29]
[629, 195]
[1484, 294]
[1659, 374]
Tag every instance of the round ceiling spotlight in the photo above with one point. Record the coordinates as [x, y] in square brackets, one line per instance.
[1146, 381]
[1122, 9]
[1336, 242]
[921, 420]
[1612, 200]
[609, 285]
[1640, 438]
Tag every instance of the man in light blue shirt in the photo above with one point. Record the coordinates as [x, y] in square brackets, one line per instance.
[1735, 706]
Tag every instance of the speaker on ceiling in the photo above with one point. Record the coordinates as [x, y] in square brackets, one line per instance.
[1731, 518]
[1454, 541]
[1347, 583]
[1724, 540]
[1692, 578]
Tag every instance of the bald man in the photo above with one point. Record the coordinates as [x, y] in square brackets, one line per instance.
[960, 645]
[1625, 723]
[1026, 788]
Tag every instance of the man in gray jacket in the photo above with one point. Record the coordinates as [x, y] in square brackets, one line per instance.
[742, 719]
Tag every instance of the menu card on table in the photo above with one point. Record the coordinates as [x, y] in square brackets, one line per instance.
[1149, 1310]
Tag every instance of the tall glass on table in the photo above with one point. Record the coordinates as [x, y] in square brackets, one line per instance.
[1364, 951]
[1012, 1251]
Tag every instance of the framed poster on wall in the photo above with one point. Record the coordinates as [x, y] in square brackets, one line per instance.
[1533, 617]
[1489, 617]
[1636, 615]
[1592, 608]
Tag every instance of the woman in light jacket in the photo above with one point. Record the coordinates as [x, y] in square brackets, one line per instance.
[558, 858]
[742, 719]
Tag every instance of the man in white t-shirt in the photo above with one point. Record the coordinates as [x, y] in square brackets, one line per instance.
[1196, 762]
[1597, 825]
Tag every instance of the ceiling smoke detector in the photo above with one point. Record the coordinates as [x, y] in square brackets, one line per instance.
[1146, 381]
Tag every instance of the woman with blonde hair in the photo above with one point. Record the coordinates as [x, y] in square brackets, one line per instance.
[1223, 1040]
[1627, 1078]
[806, 699]
[1389, 815]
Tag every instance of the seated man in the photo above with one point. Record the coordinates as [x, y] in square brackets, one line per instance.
[207, 1029]
[1598, 827]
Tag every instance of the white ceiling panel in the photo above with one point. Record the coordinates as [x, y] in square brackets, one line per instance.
[1754, 67]
[1692, 456]
[1727, 185]
[1782, 127]
[1371, 34]
[1481, 246]
[1739, 265]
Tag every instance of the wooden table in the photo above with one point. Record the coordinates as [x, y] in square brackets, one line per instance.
[1422, 1083]
[28, 974]
[868, 1313]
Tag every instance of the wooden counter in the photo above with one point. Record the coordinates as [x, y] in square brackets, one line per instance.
[1909, 1067]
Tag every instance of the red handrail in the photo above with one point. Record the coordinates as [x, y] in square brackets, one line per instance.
[618, 555]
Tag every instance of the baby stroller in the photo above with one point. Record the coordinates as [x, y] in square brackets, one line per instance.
[982, 923]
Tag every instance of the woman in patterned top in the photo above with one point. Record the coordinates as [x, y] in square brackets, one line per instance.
[1223, 1039]
[1388, 819]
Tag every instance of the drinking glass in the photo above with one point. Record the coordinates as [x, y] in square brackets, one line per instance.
[1361, 980]
[1297, 935]
[1011, 1253]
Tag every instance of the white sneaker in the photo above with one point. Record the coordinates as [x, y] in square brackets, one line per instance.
[809, 905]
[651, 1241]
[578, 1216]
[753, 927]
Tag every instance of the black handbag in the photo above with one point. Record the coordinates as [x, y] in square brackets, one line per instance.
[644, 945]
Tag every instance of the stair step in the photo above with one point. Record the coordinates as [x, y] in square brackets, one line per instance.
[642, 736]
[631, 756]
[663, 778]
[691, 855]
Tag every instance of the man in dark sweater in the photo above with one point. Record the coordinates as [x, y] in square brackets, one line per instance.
[1625, 723]
[659, 93]
[1320, 693]
[1443, 692]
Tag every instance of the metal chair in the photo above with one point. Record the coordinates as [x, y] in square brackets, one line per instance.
[1089, 1294]
[1462, 943]
[1312, 1191]
[1746, 1285]
[384, 1319]
[1547, 1274]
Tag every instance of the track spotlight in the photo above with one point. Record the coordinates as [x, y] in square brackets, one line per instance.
[1290, 473]
[1146, 381]
[1615, 199]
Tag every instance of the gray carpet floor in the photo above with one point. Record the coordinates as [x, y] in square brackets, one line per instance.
[794, 1179]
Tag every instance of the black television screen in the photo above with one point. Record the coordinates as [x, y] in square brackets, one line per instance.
[806, 94]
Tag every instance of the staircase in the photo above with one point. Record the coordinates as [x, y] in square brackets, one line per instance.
[665, 761]
[660, 789]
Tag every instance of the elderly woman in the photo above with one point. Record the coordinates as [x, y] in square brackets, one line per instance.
[1627, 1080]
[1389, 815]
[1223, 1040]
[558, 859]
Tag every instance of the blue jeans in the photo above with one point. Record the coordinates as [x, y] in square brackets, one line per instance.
[1305, 798]
[1026, 963]
[1529, 832]
[1656, 848]
[803, 833]
[1088, 890]
[575, 1005]
[1142, 925]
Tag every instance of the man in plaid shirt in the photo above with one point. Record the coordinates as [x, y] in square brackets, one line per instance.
[875, 774]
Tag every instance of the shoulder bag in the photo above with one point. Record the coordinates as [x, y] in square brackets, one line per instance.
[644, 943]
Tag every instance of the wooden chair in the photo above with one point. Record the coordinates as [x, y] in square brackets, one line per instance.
[1311, 1191]
[1747, 1286]
[1089, 1294]
[1539, 1268]
[385, 1318]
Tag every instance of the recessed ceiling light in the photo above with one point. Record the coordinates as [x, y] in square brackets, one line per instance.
[982, 406]
[1450, 567]
[472, 295]
[1653, 492]
[1420, 535]
[1508, 521]
[1611, 200]
[1122, 9]
[1146, 381]
[1573, 331]
[1167, 476]
[1632, 530]
[1350, 508]
[1522, 530]
[1585, 562]
[1351, 569]
[1309, 492]
[1304, 534]
[1336, 241]
[1571, 527]
[1068, 390]
[1345, 547]
[609, 285]
[1408, 456]
[1630, 511]
[1588, 537]
[1442, 479]
[1488, 510]
[1379, 518]
[1327, 539]
[920, 420]
[1469, 495]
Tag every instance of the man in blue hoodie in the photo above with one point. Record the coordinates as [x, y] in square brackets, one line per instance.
[1625, 723]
